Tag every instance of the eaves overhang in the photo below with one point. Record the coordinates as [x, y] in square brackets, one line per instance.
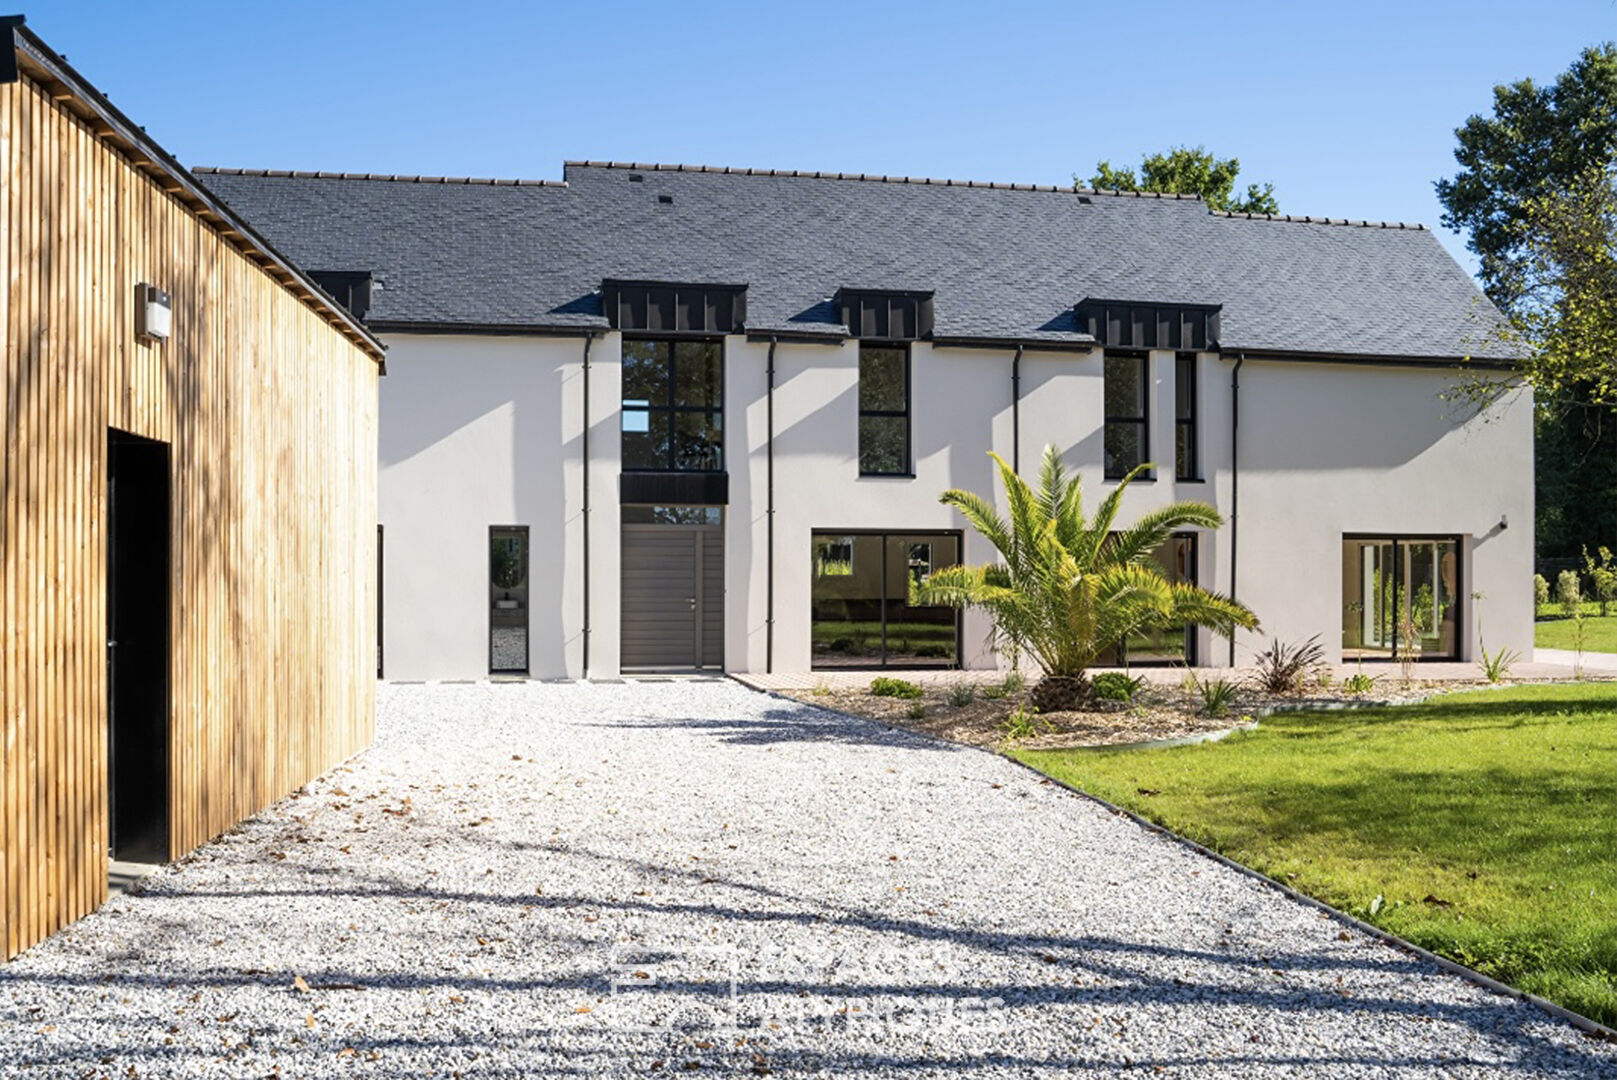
[68, 88]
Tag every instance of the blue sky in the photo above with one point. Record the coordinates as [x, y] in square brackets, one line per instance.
[1348, 108]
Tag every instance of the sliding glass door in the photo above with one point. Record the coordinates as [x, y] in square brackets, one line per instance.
[1401, 597]
[864, 600]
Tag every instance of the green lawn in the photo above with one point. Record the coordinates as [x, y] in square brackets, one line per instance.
[1558, 632]
[1486, 822]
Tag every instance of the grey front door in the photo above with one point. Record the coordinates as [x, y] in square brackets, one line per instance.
[673, 597]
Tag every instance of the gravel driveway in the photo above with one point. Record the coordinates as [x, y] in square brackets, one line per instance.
[531, 880]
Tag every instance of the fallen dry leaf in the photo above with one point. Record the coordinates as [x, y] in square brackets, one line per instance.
[299, 984]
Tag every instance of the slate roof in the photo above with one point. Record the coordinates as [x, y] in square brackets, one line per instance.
[1004, 261]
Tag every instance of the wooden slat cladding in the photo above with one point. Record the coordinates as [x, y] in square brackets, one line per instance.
[270, 415]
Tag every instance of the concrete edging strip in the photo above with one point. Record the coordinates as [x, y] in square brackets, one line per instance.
[1591, 1028]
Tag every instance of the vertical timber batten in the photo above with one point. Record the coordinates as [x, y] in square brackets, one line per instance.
[268, 407]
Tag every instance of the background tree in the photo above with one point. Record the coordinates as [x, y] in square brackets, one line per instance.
[1540, 144]
[1183, 171]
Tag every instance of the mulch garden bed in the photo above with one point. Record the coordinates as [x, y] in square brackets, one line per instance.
[1158, 711]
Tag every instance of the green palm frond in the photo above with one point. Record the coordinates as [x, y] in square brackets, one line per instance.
[1069, 587]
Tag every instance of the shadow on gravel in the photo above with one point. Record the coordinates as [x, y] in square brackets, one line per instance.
[1082, 971]
[806, 723]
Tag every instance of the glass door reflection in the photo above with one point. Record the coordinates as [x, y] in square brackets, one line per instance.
[508, 600]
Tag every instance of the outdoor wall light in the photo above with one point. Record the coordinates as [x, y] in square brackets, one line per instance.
[152, 313]
[1504, 522]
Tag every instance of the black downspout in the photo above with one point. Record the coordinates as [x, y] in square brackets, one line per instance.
[589, 339]
[1235, 479]
[1016, 412]
[769, 519]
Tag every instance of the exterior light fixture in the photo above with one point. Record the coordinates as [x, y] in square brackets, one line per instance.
[152, 313]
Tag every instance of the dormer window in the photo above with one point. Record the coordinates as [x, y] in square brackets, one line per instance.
[886, 315]
[350, 288]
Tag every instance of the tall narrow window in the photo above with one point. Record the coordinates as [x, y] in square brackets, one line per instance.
[884, 410]
[508, 599]
[1127, 445]
[1186, 465]
[673, 405]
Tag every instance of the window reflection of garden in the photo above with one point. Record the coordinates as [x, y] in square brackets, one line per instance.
[1399, 598]
[864, 609]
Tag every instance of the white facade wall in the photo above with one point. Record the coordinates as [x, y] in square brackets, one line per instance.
[480, 431]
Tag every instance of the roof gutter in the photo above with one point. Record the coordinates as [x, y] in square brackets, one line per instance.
[573, 330]
[73, 91]
[812, 337]
[1019, 343]
[1372, 359]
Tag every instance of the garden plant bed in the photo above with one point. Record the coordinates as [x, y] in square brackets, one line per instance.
[1162, 710]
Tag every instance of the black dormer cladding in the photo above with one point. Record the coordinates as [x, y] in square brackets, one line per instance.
[1133, 324]
[350, 288]
[661, 307]
[886, 315]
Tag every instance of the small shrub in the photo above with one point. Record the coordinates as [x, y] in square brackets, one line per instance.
[1283, 668]
[821, 688]
[1116, 686]
[1359, 683]
[916, 711]
[962, 694]
[1217, 696]
[1541, 591]
[1496, 665]
[1569, 593]
[895, 688]
[994, 691]
[1023, 723]
[1602, 576]
[1014, 682]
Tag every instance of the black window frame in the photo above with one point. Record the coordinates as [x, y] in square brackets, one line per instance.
[1118, 655]
[526, 669]
[673, 411]
[1398, 539]
[1142, 422]
[1187, 458]
[907, 472]
[837, 535]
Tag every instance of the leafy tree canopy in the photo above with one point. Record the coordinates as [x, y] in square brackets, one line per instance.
[1539, 142]
[1184, 171]
[1560, 289]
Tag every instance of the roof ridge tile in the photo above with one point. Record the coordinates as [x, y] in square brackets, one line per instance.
[1303, 219]
[873, 178]
[393, 177]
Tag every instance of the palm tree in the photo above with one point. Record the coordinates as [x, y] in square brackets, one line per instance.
[1070, 587]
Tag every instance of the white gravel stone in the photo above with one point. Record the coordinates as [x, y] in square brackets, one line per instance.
[526, 879]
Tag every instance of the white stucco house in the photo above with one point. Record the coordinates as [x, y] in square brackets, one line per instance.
[673, 418]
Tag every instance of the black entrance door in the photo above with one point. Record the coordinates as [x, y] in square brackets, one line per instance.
[137, 648]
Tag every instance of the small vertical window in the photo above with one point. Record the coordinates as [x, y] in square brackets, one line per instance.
[508, 599]
[1127, 445]
[1186, 464]
[884, 410]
